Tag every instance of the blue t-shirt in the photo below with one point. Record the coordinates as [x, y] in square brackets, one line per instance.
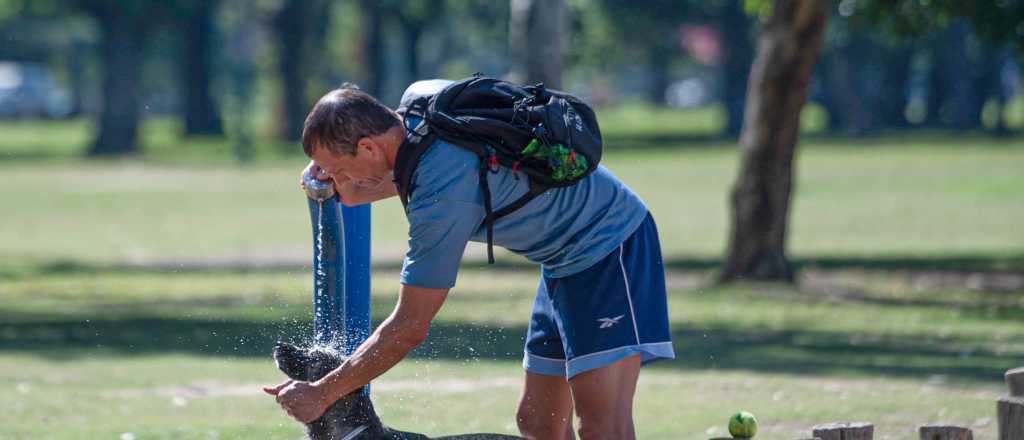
[565, 229]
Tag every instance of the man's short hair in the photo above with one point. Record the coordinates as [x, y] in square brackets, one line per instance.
[342, 117]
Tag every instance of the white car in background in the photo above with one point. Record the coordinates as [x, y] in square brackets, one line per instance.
[28, 90]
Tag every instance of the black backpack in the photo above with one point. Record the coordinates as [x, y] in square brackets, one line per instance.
[548, 136]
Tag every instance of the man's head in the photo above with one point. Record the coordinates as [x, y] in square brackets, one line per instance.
[352, 136]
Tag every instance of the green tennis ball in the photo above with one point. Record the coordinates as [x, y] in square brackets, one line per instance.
[743, 425]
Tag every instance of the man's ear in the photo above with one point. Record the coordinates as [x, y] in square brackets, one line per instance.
[370, 146]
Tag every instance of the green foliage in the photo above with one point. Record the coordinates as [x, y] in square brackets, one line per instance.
[998, 21]
[9, 9]
[654, 24]
[758, 8]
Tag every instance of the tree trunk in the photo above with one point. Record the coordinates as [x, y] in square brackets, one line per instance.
[961, 107]
[851, 96]
[202, 116]
[80, 51]
[289, 28]
[1002, 94]
[840, 98]
[951, 91]
[896, 71]
[373, 48]
[122, 39]
[412, 33]
[538, 41]
[658, 65]
[786, 54]
[739, 53]
[299, 27]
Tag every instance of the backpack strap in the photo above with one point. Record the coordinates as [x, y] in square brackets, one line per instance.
[485, 188]
[532, 193]
[490, 216]
[406, 161]
[417, 140]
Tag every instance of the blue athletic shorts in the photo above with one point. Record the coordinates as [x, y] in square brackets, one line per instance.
[609, 311]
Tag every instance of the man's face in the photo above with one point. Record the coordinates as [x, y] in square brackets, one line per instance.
[367, 168]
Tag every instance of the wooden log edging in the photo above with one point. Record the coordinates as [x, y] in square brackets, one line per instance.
[845, 431]
[1010, 411]
[944, 432]
[1015, 381]
[1010, 408]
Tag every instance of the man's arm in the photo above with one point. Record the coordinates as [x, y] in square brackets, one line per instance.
[406, 328]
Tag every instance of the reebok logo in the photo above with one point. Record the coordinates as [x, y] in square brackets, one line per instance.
[608, 322]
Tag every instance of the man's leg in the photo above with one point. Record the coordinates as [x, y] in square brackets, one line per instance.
[604, 400]
[545, 408]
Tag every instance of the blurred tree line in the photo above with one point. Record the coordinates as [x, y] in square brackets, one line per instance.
[884, 64]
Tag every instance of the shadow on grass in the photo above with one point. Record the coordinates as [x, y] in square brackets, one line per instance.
[1009, 263]
[817, 352]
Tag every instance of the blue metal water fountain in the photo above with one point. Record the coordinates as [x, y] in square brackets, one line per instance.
[341, 267]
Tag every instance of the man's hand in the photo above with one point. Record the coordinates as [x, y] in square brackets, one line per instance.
[302, 400]
[317, 173]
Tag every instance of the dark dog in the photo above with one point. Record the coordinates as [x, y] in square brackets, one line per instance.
[352, 417]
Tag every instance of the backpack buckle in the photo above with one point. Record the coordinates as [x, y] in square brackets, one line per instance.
[492, 163]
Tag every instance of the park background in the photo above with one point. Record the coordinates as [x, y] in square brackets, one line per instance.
[154, 242]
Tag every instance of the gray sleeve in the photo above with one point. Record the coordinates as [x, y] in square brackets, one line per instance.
[438, 233]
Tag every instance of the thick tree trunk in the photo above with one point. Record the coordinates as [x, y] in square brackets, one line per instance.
[786, 54]
[538, 41]
[739, 53]
[122, 39]
[202, 116]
